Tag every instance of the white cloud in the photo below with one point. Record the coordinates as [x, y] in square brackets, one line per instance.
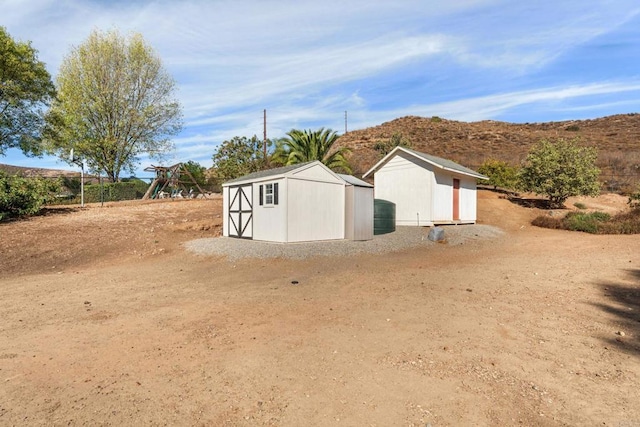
[307, 62]
[492, 106]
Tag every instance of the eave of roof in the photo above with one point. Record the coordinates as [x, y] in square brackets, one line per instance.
[267, 173]
[350, 179]
[439, 162]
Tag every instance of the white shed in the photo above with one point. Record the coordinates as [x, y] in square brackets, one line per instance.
[427, 190]
[298, 203]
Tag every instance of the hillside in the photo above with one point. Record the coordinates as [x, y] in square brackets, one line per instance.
[29, 172]
[617, 139]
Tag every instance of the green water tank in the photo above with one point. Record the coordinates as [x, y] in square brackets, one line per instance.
[384, 217]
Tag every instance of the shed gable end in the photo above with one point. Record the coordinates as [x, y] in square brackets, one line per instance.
[316, 172]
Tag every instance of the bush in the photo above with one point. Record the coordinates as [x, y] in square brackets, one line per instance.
[396, 140]
[500, 174]
[546, 221]
[560, 170]
[595, 222]
[115, 191]
[128, 189]
[624, 223]
[580, 205]
[587, 222]
[20, 196]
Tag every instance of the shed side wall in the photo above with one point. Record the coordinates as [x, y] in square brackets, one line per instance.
[316, 210]
[362, 213]
[349, 215]
[270, 222]
[409, 185]
[443, 199]
[468, 200]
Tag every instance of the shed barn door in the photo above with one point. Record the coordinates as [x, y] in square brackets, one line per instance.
[241, 212]
[456, 200]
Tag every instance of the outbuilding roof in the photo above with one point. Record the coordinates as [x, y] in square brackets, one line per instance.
[284, 170]
[267, 173]
[350, 179]
[434, 160]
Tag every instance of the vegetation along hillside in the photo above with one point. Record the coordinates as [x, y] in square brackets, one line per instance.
[617, 139]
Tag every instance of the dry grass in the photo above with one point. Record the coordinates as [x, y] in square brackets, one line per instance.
[470, 144]
[594, 222]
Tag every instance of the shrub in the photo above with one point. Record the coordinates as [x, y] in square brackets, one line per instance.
[115, 191]
[587, 222]
[580, 205]
[560, 170]
[500, 174]
[546, 221]
[595, 222]
[396, 140]
[21, 196]
[624, 223]
[128, 189]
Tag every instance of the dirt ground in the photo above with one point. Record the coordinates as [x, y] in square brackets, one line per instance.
[105, 319]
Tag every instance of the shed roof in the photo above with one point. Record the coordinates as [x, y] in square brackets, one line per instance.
[439, 162]
[350, 179]
[285, 170]
[267, 173]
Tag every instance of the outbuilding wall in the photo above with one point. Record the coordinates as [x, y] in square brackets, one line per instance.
[423, 194]
[443, 199]
[408, 182]
[270, 221]
[468, 200]
[311, 205]
[359, 213]
[315, 210]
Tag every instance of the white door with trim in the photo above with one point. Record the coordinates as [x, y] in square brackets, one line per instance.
[241, 211]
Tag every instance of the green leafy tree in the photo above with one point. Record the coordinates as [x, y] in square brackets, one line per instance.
[115, 102]
[239, 156]
[25, 91]
[305, 146]
[197, 171]
[500, 173]
[560, 170]
[396, 140]
[21, 196]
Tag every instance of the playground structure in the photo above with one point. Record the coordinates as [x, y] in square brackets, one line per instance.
[172, 181]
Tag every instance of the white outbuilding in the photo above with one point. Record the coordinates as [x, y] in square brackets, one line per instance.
[298, 203]
[427, 190]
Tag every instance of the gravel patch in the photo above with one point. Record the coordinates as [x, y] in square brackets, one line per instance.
[402, 238]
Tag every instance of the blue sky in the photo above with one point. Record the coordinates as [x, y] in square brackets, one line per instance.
[307, 62]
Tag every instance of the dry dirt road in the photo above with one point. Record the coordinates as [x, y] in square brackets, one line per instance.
[105, 319]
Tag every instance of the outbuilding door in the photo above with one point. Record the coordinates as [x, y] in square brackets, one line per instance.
[241, 212]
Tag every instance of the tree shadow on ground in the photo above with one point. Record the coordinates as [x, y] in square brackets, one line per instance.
[515, 198]
[48, 211]
[532, 203]
[624, 306]
[52, 211]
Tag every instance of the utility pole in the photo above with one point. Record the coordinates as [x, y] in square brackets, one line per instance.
[345, 121]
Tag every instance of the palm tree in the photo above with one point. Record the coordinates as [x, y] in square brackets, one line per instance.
[305, 146]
